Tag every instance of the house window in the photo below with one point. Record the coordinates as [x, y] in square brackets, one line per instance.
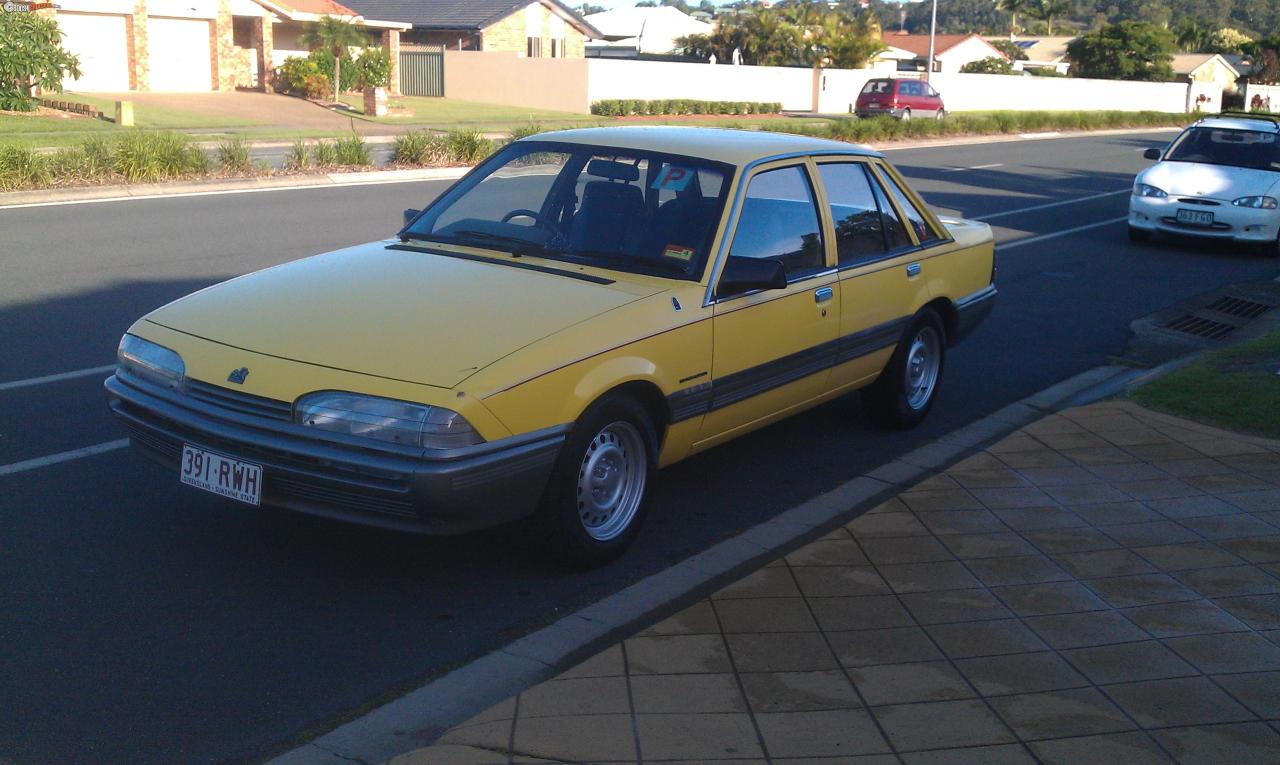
[555, 26]
[534, 47]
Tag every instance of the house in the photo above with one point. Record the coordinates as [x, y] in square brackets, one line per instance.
[1207, 68]
[538, 29]
[1042, 52]
[194, 45]
[630, 31]
[950, 52]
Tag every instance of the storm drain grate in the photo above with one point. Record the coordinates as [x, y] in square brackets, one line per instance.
[1200, 327]
[1234, 306]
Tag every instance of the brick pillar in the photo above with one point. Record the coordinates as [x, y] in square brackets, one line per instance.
[139, 63]
[264, 42]
[222, 49]
[391, 44]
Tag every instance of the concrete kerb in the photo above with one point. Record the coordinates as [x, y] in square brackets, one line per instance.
[419, 717]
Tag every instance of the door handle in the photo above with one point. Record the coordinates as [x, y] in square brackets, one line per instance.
[823, 294]
[913, 269]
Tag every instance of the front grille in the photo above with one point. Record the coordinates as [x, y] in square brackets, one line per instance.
[242, 403]
[1200, 327]
[1198, 201]
[1234, 306]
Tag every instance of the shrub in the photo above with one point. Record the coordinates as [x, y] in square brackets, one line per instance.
[679, 106]
[352, 150]
[143, 156]
[324, 154]
[291, 76]
[467, 146]
[372, 69]
[299, 157]
[524, 131]
[323, 59]
[312, 76]
[233, 156]
[22, 167]
[989, 65]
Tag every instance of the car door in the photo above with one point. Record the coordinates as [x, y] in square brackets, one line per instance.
[882, 245]
[773, 349]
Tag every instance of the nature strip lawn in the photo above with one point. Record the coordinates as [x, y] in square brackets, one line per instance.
[1236, 388]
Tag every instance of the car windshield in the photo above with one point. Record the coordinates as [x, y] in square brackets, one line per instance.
[635, 211]
[1223, 146]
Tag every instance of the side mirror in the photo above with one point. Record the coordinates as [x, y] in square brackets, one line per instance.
[409, 215]
[1151, 154]
[746, 274]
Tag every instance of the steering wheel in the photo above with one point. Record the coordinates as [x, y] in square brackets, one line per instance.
[537, 218]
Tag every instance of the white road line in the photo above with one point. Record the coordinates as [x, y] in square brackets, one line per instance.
[1051, 204]
[974, 167]
[53, 459]
[55, 378]
[1056, 234]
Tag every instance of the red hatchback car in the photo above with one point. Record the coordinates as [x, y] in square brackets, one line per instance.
[903, 99]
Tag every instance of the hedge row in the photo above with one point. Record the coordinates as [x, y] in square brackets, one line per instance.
[620, 107]
[982, 123]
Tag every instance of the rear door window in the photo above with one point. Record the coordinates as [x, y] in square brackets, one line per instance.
[859, 226]
[924, 232]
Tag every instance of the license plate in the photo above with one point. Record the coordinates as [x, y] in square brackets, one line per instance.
[1195, 217]
[873, 105]
[228, 477]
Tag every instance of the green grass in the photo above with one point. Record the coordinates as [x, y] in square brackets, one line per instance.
[1237, 388]
[159, 118]
[448, 113]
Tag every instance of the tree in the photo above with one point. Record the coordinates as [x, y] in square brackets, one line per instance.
[1013, 8]
[588, 9]
[1227, 40]
[1048, 10]
[800, 34]
[989, 65]
[31, 53]
[1130, 50]
[337, 36]
[1010, 49]
[1191, 37]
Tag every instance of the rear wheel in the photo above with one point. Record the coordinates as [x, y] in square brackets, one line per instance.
[595, 501]
[904, 393]
[1139, 235]
[906, 115]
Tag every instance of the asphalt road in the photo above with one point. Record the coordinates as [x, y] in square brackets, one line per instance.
[141, 622]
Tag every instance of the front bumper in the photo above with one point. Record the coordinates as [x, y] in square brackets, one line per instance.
[1239, 224]
[391, 487]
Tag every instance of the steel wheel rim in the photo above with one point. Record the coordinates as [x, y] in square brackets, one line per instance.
[611, 481]
[924, 356]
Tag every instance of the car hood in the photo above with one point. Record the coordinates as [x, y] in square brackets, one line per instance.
[420, 317]
[1193, 179]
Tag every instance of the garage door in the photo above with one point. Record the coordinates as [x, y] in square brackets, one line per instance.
[178, 54]
[102, 47]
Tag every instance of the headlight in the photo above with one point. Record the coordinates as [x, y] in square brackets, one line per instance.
[385, 419]
[1261, 203]
[1144, 190]
[153, 363]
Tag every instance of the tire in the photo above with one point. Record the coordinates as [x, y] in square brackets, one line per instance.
[941, 114]
[609, 454]
[1139, 235]
[1270, 250]
[905, 391]
[906, 115]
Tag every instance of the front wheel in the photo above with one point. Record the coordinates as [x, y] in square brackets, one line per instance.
[595, 501]
[941, 114]
[1139, 234]
[903, 394]
[906, 115]
[1270, 249]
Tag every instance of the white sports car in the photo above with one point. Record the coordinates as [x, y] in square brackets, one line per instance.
[1219, 179]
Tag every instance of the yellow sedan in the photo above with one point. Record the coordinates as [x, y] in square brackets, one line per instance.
[583, 308]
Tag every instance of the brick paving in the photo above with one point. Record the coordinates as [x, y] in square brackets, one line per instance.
[1102, 586]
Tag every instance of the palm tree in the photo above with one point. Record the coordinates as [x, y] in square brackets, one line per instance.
[1013, 8]
[336, 35]
[1046, 10]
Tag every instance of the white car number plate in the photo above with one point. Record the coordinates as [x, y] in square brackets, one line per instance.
[1195, 217]
[221, 475]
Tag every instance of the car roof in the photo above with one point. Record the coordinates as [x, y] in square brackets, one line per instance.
[1261, 124]
[735, 147]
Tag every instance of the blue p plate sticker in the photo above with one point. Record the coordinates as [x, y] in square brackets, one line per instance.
[673, 178]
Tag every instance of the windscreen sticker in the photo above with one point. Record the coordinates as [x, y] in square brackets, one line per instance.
[678, 252]
[673, 178]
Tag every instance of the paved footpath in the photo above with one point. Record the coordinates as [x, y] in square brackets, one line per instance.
[1101, 586]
